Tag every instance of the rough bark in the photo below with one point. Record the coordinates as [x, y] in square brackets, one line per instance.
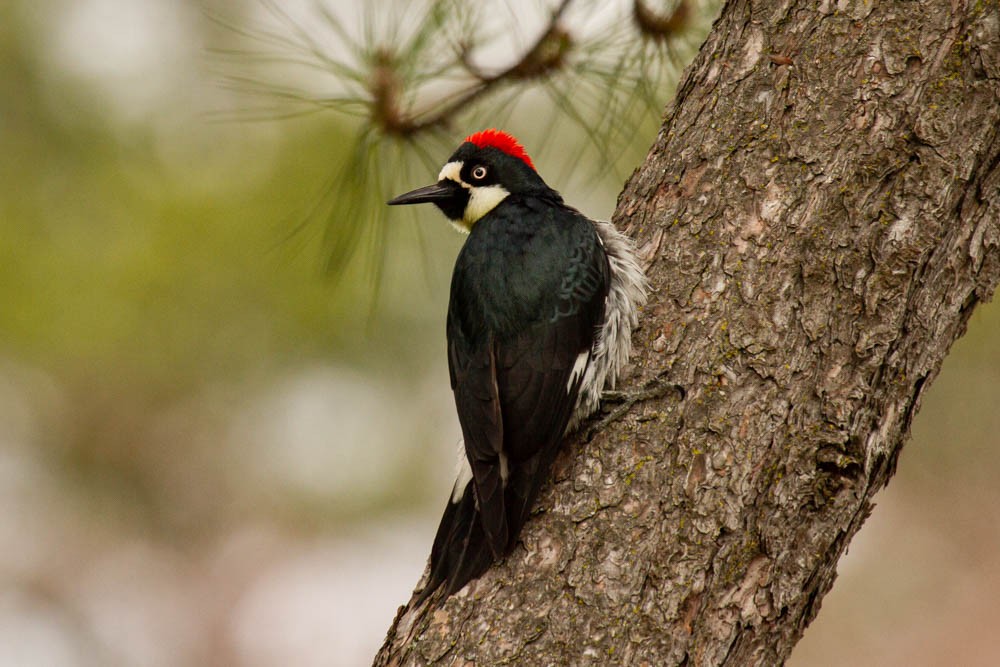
[821, 214]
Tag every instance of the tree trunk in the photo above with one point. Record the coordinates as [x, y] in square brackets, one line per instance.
[821, 214]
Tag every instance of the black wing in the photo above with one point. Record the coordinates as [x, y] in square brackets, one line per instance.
[514, 399]
[520, 330]
[478, 400]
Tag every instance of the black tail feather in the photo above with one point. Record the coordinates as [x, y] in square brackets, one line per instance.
[461, 550]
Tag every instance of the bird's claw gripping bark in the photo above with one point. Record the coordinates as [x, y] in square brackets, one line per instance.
[653, 389]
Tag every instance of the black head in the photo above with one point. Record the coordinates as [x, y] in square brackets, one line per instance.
[487, 168]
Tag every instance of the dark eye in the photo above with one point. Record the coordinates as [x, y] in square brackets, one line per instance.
[479, 172]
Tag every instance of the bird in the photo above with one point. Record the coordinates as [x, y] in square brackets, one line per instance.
[542, 306]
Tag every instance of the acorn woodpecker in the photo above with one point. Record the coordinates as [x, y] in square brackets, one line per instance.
[543, 302]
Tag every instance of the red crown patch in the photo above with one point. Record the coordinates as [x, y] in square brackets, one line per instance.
[502, 141]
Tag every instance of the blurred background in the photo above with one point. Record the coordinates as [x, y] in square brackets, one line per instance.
[214, 453]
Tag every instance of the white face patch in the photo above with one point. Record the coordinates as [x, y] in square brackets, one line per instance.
[482, 200]
[452, 171]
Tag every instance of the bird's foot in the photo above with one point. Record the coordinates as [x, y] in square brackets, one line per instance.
[655, 388]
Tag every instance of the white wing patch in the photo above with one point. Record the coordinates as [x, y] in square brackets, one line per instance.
[579, 366]
[464, 473]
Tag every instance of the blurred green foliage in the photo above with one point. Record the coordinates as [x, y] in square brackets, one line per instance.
[164, 262]
[112, 258]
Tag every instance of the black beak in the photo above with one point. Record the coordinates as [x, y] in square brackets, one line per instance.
[440, 191]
